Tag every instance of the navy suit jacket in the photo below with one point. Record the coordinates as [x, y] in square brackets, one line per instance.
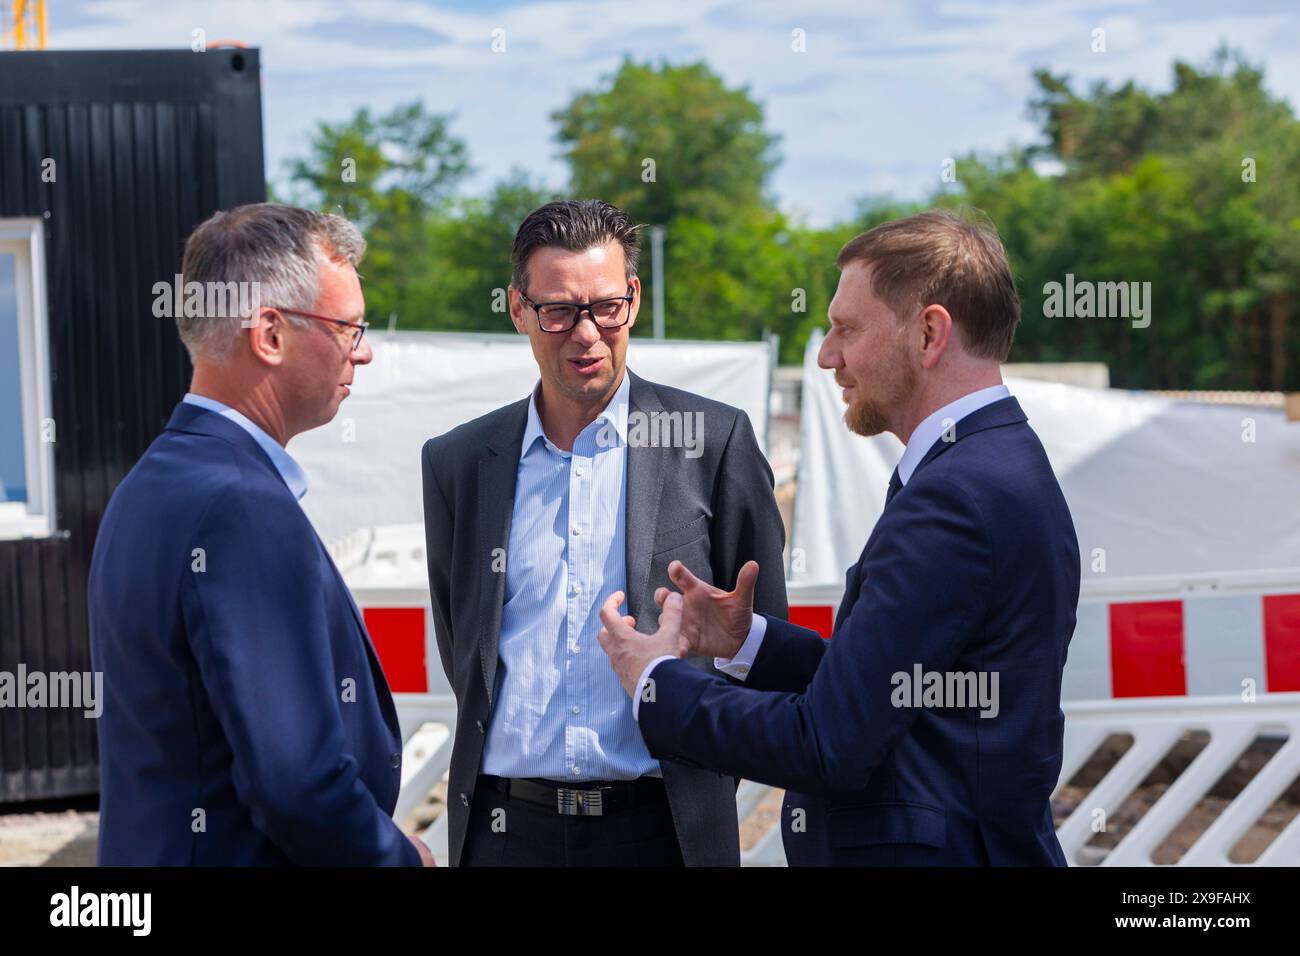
[973, 567]
[246, 718]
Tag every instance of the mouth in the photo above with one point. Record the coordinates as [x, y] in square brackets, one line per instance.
[588, 365]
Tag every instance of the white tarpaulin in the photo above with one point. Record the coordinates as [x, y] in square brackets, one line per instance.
[1164, 487]
[363, 468]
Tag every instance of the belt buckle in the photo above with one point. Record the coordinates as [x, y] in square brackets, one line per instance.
[579, 803]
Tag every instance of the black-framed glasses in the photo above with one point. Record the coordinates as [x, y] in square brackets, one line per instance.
[562, 316]
[360, 327]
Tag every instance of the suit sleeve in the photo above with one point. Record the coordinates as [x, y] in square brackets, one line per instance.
[788, 658]
[922, 598]
[438, 524]
[258, 630]
[747, 521]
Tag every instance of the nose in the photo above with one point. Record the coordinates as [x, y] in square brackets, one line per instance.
[362, 354]
[585, 331]
[827, 357]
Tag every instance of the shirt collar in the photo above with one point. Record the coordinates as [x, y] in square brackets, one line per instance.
[290, 471]
[932, 428]
[615, 413]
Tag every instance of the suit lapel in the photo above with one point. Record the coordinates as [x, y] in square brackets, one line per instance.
[645, 482]
[497, 473]
[1005, 411]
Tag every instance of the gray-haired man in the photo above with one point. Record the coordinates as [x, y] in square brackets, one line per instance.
[534, 511]
[247, 719]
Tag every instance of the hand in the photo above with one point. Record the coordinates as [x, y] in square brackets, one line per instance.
[715, 623]
[630, 651]
[426, 856]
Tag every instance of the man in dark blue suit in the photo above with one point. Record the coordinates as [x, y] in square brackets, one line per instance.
[247, 721]
[928, 730]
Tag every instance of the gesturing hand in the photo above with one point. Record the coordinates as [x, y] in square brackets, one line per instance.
[629, 651]
[715, 623]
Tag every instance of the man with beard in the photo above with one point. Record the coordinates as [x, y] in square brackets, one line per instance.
[970, 578]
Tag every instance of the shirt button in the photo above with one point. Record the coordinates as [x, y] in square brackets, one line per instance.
[577, 770]
[576, 708]
[575, 649]
[578, 471]
[577, 589]
[577, 529]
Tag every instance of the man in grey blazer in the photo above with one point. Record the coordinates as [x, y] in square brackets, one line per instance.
[593, 483]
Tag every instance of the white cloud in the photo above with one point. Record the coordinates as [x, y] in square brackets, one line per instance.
[883, 94]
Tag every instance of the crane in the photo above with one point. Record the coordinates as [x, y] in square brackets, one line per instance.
[25, 16]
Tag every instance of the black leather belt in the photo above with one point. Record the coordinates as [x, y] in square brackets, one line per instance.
[591, 798]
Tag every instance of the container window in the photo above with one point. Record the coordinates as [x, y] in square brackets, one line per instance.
[27, 429]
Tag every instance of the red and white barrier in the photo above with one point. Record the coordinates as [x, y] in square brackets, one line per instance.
[1138, 639]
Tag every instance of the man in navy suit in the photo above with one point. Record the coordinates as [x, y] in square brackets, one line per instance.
[247, 721]
[928, 730]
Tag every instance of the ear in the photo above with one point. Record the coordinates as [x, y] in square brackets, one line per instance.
[517, 311]
[937, 332]
[266, 339]
[635, 305]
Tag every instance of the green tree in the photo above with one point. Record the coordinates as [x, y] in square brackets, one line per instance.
[390, 175]
[711, 156]
[1189, 190]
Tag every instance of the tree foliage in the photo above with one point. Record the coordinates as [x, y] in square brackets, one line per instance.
[1192, 190]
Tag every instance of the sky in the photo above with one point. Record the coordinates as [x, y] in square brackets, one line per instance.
[881, 95]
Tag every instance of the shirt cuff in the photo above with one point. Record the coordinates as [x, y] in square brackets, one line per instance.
[739, 666]
[640, 685]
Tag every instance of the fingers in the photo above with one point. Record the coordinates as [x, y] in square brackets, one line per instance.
[604, 637]
[661, 594]
[670, 621]
[609, 615]
[746, 580]
[682, 577]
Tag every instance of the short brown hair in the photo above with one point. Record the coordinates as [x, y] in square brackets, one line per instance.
[949, 259]
[575, 225]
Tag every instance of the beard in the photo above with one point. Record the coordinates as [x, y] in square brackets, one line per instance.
[870, 415]
[865, 418]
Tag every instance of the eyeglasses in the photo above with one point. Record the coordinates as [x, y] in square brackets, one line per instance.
[359, 326]
[562, 316]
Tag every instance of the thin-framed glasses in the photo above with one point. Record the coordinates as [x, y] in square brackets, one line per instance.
[562, 316]
[360, 327]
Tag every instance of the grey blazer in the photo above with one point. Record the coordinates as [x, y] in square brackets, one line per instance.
[713, 512]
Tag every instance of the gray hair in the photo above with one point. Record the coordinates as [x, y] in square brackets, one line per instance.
[575, 225]
[273, 249]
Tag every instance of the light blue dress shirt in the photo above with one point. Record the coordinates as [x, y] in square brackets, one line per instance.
[560, 712]
[290, 471]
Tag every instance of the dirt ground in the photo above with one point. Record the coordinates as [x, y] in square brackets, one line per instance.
[49, 834]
